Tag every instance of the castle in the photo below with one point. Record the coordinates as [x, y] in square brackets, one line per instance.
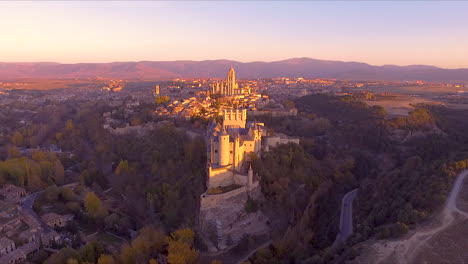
[230, 147]
[231, 144]
[228, 87]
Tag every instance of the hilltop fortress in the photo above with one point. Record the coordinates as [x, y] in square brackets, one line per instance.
[231, 145]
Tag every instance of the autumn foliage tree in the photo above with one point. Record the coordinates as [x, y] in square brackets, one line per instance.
[180, 247]
[94, 207]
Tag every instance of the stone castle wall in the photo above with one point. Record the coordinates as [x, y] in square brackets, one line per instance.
[220, 177]
[224, 220]
[209, 201]
[274, 113]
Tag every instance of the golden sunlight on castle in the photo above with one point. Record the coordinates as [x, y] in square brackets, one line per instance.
[231, 145]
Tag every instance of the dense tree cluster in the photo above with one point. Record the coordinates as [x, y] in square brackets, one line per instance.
[149, 246]
[161, 174]
[35, 173]
[401, 180]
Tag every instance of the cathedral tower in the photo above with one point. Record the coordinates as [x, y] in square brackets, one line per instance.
[231, 82]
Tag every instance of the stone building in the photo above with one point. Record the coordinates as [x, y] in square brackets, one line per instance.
[6, 246]
[231, 144]
[11, 191]
[56, 220]
[232, 183]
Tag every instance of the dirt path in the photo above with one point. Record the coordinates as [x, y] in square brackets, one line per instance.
[404, 250]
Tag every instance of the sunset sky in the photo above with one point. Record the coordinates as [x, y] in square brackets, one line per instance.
[397, 32]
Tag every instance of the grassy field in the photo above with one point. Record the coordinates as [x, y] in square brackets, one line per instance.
[402, 105]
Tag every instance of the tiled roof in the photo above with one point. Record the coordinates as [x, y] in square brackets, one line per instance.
[5, 242]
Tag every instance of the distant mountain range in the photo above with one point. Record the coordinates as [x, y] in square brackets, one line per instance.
[165, 70]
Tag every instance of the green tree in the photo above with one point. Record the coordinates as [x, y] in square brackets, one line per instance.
[122, 167]
[52, 193]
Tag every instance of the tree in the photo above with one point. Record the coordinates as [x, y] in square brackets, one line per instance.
[69, 125]
[289, 104]
[148, 243]
[63, 256]
[94, 207]
[17, 139]
[52, 193]
[38, 156]
[59, 172]
[106, 259]
[72, 261]
[68, 194]
[180, 249]
[162, 100]
[13, 152]
[127, 254]
[91, 251]
[122, 167]
[112, 221]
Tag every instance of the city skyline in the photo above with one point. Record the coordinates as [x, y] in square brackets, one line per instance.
[377, 33]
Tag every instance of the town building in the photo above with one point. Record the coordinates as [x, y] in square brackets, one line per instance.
[6, 246]
[16, 256]
[11, 191]
[157, 90]
[56, 220]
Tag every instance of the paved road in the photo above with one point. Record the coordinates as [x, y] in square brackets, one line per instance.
[28, 201]
[346, 218]
[27, 204]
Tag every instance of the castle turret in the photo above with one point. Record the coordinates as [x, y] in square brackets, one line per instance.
[236, 156]
[223, 148]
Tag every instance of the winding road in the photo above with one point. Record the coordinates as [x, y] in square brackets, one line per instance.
[346, 218]
[27, 204]
[405, 250]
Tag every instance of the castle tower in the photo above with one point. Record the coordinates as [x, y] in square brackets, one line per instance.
[257, 139]
[223, 148]
[236, 157]
[234, 117]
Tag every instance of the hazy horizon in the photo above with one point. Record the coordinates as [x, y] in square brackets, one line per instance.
[377, 33]
[253, 61]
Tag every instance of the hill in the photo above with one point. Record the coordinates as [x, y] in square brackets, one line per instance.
[298, 67]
